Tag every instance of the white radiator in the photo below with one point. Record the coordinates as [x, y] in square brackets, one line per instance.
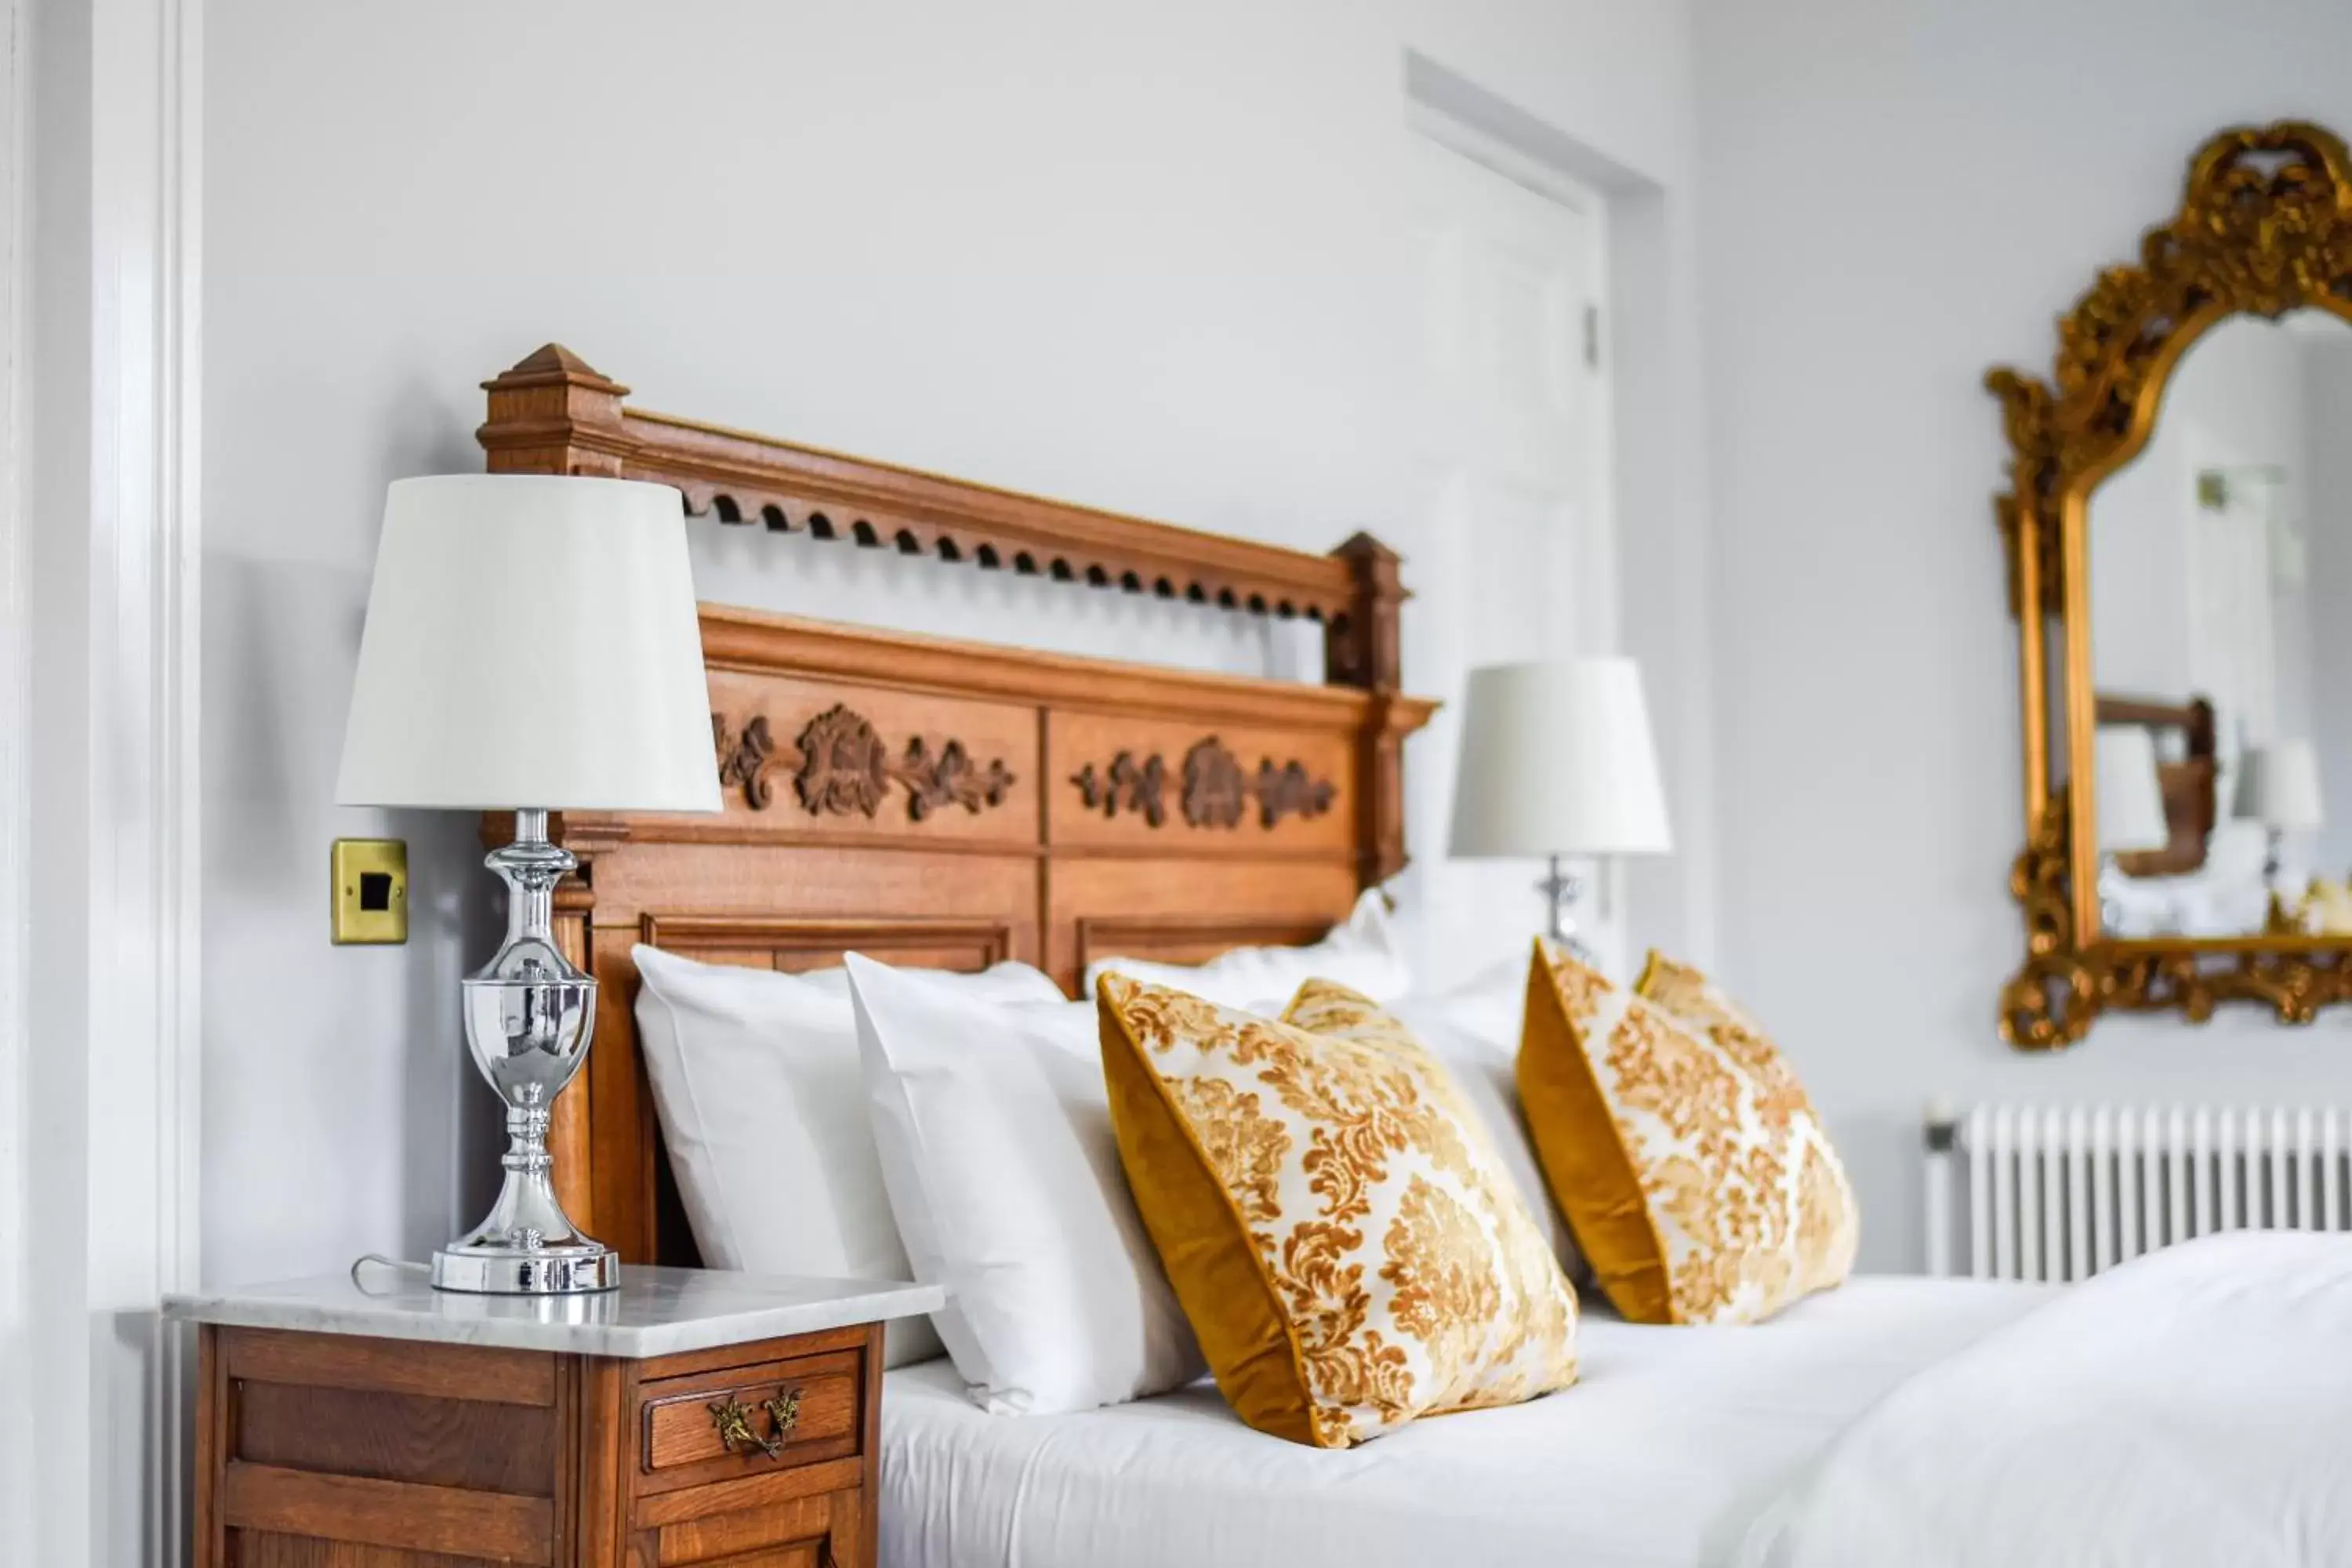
[2058, 1193]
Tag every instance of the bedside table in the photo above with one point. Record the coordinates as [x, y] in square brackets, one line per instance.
[689, 1416]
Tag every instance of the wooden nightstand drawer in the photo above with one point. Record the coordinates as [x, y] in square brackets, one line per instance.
[744, 1420]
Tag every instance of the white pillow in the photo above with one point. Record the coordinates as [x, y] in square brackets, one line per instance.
[755, 1078]
[994, 1131]
[1361, 954]
[1474, 1029]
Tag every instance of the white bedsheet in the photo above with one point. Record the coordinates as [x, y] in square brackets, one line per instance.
[2190, 1409]
[1670, 1445]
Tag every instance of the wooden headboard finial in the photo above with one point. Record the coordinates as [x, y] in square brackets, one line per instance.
[1364, 649]
[554, 414]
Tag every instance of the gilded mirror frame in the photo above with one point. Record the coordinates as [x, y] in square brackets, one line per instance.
[2264, 227]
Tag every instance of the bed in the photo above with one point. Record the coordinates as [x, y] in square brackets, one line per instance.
[951, 804]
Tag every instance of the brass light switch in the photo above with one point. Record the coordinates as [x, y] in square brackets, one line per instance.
[371, 892]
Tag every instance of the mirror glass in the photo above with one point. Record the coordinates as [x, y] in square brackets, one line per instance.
[2220, 590]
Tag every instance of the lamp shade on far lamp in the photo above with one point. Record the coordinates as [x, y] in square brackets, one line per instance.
[2278, 786]
[1556, 759]
[495, 597]
[2130, 794]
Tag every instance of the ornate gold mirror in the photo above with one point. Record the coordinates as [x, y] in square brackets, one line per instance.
[2179, 533]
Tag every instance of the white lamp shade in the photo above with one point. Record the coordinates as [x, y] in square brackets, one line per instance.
[1556, 759]
[2130, 794]
[532, 642]
[2278, 786]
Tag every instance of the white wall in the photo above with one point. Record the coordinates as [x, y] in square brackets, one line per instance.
[2140, 592]
[1908, 192]
[1147, 257]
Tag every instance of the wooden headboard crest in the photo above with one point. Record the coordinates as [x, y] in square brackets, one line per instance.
[954, 804]
[552, 414]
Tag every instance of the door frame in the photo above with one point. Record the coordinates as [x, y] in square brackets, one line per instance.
[1545, 179]
[101, 1036]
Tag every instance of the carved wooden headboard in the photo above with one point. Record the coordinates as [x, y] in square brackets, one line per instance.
[953, 803]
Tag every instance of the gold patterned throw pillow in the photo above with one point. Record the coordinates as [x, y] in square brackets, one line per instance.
[1348, 1246]
[1681, 1147]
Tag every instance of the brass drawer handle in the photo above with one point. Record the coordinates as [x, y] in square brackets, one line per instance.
[735, 1435]
[732, 1420]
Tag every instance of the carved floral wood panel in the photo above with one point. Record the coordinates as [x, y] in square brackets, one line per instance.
[1215, 790]
[1126, 785]
[2264, 227]
[844, 769]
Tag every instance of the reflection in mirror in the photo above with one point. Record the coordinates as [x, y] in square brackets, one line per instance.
[2220, 589]
[2131, 811]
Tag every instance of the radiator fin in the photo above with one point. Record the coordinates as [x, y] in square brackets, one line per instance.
[2058, 1193]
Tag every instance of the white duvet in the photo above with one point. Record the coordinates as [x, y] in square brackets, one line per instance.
[1659, 1457]
[2193, 1408]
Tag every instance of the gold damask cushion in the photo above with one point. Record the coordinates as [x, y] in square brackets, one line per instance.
[1347, 1246]
[1681, 1147]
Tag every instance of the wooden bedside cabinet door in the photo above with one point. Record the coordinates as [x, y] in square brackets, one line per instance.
[316, 1451]
[825, 1530]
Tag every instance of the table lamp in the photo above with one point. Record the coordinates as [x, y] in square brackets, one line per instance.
[1557, 761]
[2278, 786]
[2130, 802]
[2130, 793]
[531, 645]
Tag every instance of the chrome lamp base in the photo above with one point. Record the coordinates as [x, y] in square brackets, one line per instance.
[1561, 889]
[528, 1013]
[492, 1269]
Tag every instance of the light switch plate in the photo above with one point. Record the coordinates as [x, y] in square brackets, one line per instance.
[370, 890]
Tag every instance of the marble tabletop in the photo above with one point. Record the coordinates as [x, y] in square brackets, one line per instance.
[656, 1311]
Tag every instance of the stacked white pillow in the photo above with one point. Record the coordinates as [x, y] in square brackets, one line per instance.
[993, 1129]
[1361, 954]
[756, 1077]
[882, 1123]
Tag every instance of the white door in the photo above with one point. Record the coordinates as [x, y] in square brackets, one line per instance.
[1518, 557]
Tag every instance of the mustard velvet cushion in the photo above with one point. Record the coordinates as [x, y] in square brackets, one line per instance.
[1681, 1147]
[1345, 1241]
